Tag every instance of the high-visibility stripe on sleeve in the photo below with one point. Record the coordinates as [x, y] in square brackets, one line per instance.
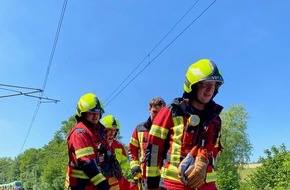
[98, 179]
[158, 131]
[134, 163]
[211, 177]
[66, 183]
[79, 174]
[152, 171]
[176, 145]
[84, 152]
[134, 142]
[170, 173]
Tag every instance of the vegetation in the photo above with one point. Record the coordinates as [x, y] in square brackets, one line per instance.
[237, 148]
[45, 168]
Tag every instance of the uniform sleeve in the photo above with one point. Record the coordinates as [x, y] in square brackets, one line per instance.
[133, 150]
[154, 152]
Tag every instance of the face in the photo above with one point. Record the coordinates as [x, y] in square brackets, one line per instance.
[111, 133]
[93, 117]
[153, 111]
[205, 91]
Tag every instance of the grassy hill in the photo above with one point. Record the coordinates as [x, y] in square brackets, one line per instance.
[248, 169]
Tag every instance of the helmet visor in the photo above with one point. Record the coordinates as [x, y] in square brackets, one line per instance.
[96, 110]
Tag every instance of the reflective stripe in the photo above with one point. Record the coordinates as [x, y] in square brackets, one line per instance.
[134, 142]
[152, 171]
[211, 177]
[79, 174]
[176, 144]
[98, 179]
[113, 182]
[84, 152]
[158, 131]
[66, 183]
[134, 163]
[217, 144]
[141, 145]
[170, 173]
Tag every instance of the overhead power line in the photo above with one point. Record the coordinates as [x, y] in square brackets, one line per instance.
[109, 100]
[148, 55]
[47, 72]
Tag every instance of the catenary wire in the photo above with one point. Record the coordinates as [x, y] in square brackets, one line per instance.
[148, 55]
[160, 53]
[47, 73]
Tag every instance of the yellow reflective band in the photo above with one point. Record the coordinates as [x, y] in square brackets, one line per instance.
[170, 173]
[84, 152]
[211, 177]
[140, 138]
[134, 163]
[217, 144]
[66, 183]
[176, 144]
[116, 187]
[79, 174]
[98, 179]
[158, 131]
[112, 180]
[152, 171]
[134, 142]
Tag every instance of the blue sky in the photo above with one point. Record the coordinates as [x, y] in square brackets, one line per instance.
[101, 42]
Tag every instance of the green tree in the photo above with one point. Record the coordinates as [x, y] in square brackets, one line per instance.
[29, 167]
[5, 170]
[237, 147]
[274, 173]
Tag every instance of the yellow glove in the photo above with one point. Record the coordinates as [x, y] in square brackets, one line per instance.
[196, 173]
[138, 177]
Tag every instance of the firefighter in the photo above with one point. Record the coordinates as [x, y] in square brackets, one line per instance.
[85, 145]
[189, 131]
[115, 174]
[139, 140]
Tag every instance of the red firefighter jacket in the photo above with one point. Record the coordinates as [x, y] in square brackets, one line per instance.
[170, 133]
[138, 144]
[83, 143]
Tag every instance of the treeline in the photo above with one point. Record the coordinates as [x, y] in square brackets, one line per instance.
[45, 168]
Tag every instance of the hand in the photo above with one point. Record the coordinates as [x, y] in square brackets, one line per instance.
[138, 177]
[137, 173]
[196, 173]
[185, 164]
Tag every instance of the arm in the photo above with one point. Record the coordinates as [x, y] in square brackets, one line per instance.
[133, 153]
[85, 155]
[154, 152]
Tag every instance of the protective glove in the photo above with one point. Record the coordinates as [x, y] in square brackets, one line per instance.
[137, 173]
[185, 164]
[196, 173]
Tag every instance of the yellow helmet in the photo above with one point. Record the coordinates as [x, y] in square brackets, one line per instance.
[110, 122]
[89, 103]
[201, 70]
